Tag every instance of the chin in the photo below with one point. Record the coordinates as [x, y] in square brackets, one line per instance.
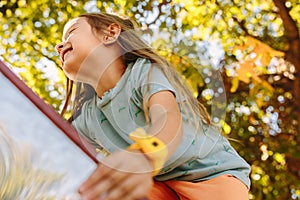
[71, 75]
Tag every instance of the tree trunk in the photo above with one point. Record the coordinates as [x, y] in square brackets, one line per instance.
[293, 56]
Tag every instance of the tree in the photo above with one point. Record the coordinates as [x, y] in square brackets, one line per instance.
[254, 44]
[29, 32]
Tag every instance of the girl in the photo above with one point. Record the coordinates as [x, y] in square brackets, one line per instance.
[122, 85]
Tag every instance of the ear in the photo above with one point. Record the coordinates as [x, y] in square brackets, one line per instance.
[113, 32]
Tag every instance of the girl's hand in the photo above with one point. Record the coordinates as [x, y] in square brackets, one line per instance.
[122, 175]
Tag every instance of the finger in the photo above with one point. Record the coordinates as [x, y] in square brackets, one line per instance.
[104, 185]
[138, 193]
[121, 190]
[127, 188]
[100, 173]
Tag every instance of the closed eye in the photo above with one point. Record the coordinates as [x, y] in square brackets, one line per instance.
[69, 32]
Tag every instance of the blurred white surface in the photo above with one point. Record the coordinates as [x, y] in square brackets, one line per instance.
[34, 132]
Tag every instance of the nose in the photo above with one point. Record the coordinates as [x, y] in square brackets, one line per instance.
[59, 47]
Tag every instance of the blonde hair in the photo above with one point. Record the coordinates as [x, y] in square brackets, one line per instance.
[133, 48]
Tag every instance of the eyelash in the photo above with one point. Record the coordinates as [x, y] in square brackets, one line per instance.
[71, 30]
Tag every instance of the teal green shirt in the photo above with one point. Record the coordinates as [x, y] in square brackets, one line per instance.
[106, 123]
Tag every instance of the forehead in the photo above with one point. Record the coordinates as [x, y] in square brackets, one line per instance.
[71, 23]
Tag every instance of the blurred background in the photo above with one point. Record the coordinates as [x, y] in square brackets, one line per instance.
[253, 45]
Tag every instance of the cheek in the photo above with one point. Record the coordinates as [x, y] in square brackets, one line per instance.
[71, 67]
[72, 64]
[69, 72]
[82, 62]
[78, 72]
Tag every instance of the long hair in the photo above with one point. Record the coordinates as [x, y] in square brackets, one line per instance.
[134, 47]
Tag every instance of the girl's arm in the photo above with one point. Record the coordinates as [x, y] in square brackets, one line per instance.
[165, 119]
[127, 175]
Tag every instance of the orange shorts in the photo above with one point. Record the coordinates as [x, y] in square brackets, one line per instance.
[224, 187]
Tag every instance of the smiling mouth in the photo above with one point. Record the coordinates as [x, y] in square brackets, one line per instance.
[65, 53]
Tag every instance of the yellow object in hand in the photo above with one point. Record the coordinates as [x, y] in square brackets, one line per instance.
[151, 146]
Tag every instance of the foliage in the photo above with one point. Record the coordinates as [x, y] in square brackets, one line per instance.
[252, 44]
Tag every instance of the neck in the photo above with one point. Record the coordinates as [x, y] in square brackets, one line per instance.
[102, 68]
[111, 77]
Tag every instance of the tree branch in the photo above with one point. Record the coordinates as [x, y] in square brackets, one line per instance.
[291, 32]
[293, 53]
[289, 24]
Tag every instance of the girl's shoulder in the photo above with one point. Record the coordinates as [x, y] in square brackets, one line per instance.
[139, 67]
[144, 70]
[148, 78]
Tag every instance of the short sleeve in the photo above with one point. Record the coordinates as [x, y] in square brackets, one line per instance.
[150, 79]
